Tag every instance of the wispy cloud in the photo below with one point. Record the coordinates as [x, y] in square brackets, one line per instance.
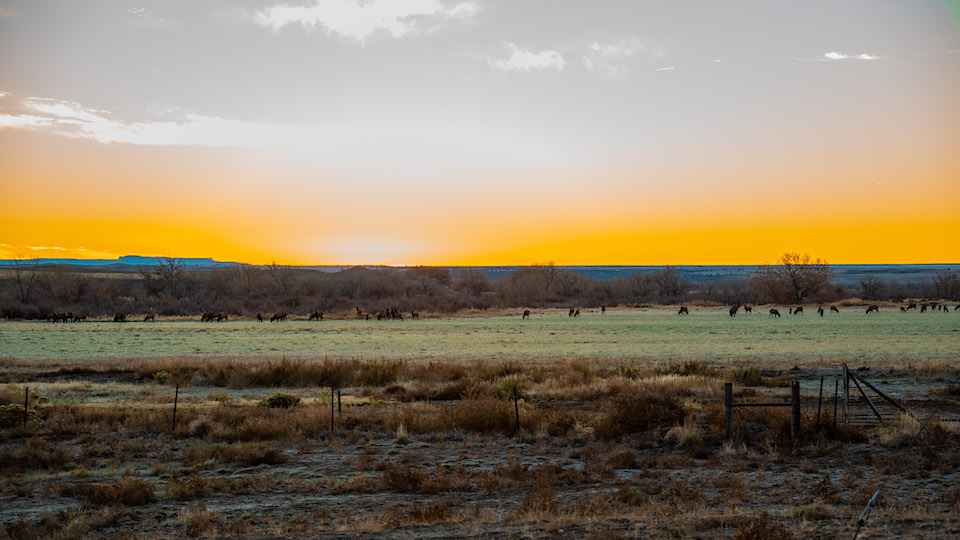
[5, 13]
[359, 20]
[668, 68]
[439, 145]
[72, 119]
[523, 60]
[839, 56]
[611, 58]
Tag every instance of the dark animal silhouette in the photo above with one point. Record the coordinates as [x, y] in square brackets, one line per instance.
[279, 317]
[923, 308]
[207, 316]
[790, 310]
[316, 315]
[414, 315]
[150, 317]
[570, 314]
[774, 313]
[576, 313]
[683, 311]
[259, 317]
[957, 307]
[798, 310]
[912, 306]
[120, 317]
[834, 308]
[359, 313]
[368, 316]
[80, 317]
[903, 309]
[59, 317]
[733, 310]
[603, 310]
[526, 314]
[820, 310]
[220, 316]
[748, 309]
[873, 308]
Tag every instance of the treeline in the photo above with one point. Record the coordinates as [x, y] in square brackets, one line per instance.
[28, 291]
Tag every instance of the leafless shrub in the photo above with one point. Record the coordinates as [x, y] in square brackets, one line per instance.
[127, 491]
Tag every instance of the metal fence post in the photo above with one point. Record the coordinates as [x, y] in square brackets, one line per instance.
[728, 408]
[795, 409]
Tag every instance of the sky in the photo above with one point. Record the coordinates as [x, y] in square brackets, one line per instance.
[486, 132]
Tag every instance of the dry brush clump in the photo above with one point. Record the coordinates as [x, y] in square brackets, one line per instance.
[36, 454]
[126, 491]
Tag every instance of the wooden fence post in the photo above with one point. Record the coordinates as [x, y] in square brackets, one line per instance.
[728, 408]
[516, 407]
[176, 396]
[339, 403]
[795, 410]
[846, 393]
[26, 401]
[836, 394]
[331, 411]
[819, 403]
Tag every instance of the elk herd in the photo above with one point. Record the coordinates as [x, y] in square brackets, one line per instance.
[394, 314]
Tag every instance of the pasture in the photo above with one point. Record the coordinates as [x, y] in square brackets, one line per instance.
[658, 333]
[600, 426]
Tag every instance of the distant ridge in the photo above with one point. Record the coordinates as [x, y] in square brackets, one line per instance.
[845, 274]
[130, 260]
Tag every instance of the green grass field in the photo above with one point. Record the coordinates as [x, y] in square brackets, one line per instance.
[707, 333]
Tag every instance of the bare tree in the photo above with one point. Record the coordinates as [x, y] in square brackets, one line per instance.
[872, 288]
[794, 278]
[668, 282]
[281, 275]
[25, 273]
[947, 285]
[472, 280]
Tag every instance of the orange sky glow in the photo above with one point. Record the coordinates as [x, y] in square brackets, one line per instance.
[638, 138]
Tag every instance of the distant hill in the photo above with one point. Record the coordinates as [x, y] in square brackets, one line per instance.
[846, 274]
[128, 260]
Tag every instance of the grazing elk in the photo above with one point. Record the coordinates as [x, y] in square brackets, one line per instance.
[414, 315]
[570, 313]
[59, 317]
[80, 317]
[748, 309]
[834, 309]
[359, 313]
[734, 309]
[603, 310]
[912, 306]
[923, 308]
[774, 313]
[150, 317]
[207, 316]
[120, 317]
[903, 309]
[220, 316]
[316, 315]
[576, 313]
[798, 310]
[820, 310]
[683, 311]
[259, 317]
[279, 317]
[957, 307]
[873, 308]
[526, 314]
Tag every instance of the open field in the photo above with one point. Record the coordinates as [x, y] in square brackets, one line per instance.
[621, 427]
[707, 333]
